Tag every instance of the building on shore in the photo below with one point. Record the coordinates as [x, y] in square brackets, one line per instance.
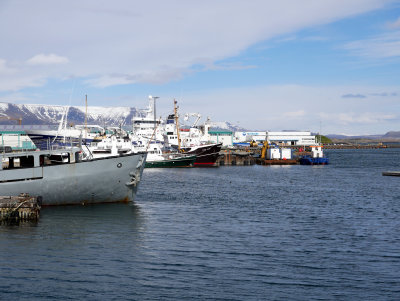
[292, 138]
[221, 136]
[284, 138]
[15, 137]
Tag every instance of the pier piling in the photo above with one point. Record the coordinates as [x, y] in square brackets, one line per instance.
[19, 208]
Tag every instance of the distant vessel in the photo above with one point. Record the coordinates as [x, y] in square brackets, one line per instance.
[206, 155]
[156, 158]
[190, 142]
[145, 126]
[316, 158]
[64, 135]
[42, 137]
[61, 177]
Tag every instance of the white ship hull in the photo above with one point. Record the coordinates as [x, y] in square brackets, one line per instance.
[105, 180]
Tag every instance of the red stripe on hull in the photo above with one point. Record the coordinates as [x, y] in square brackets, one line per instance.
[204, 164]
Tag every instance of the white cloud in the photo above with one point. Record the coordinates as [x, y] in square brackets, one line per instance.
[358, 118]
[150, 41]
[14, 98]
[394, 25]
[295, 114]
[47, 59]
[383, 46]
[299, 107]
[5, 69]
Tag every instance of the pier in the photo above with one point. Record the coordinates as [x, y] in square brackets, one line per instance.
[235, 157]
[19, 208]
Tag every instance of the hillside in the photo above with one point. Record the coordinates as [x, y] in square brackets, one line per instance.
[36, 114]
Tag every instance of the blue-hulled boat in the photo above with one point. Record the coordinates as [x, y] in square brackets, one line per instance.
[317, 157]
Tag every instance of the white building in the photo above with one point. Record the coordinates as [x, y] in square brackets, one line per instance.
[302, 138]
[221, 136]
[246, 137]
[292, 138]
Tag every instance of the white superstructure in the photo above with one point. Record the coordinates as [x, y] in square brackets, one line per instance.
[146, 125]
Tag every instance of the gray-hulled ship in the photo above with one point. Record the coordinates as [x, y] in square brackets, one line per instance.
[61, 177]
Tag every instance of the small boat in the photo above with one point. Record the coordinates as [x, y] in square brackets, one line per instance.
[156, 158]
[316, 158]
[62, 177]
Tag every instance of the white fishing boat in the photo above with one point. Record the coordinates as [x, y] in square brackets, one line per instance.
[61, 177]
[156, 157]
[146, 125]
[191, 141]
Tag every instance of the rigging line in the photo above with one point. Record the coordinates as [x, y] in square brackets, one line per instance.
[63, 122]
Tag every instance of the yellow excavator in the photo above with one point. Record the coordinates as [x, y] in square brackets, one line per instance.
[253, 143]
[264, 149]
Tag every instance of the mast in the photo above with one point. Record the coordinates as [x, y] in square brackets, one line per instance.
[177, 124]
[86, 118]
[154, 98]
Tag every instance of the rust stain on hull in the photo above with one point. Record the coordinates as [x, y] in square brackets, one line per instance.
[125, 200]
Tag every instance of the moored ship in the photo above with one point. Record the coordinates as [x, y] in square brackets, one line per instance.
[61, 177]
[316, 158]
[157, 158]
[206, 155]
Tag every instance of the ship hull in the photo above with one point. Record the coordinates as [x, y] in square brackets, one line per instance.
[179, 162]
[314, 161]
[206, 155]
[105, 180]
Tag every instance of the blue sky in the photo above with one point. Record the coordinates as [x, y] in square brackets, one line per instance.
[306, 65]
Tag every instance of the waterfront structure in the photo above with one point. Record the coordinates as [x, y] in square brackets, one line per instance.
[244, 138]
[16, 140]
[292, 138]
[283, 138]
[221, 136]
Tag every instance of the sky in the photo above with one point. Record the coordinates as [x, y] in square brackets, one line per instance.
[329, 66]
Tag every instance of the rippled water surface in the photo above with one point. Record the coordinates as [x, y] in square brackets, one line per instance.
[228, 233]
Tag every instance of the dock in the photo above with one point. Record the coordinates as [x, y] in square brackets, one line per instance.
[235, 157]
[391, 173]
[20, 208]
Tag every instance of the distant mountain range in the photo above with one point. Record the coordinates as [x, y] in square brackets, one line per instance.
[392, 135]
[35, 114]
[46, 114]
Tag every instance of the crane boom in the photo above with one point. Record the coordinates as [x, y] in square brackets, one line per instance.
[19, 119]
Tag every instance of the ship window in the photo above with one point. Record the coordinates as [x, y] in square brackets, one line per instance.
[26, 161]
[44, 160]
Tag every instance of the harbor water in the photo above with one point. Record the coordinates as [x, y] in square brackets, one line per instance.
[228, 233]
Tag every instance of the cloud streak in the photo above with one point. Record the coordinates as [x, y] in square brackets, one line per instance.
[354, 96]
[383, 46]
[47, 59]
[359, 118]
[147, 45]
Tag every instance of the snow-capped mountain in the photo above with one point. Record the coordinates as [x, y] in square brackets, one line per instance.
[225, 125]
[52, 114]
[35, 114]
